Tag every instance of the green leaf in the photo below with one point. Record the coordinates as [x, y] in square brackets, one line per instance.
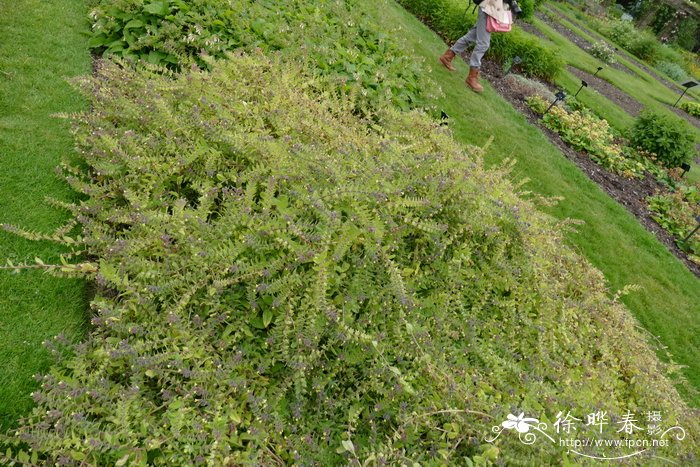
[134, 23]
[23, 457]
[349, 447]
[157, 8]
[267, 317]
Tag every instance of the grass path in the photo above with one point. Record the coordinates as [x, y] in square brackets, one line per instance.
[40, 45]
[668, 303]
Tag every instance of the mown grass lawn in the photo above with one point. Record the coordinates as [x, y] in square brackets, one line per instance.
[41, 44]
[611, 238]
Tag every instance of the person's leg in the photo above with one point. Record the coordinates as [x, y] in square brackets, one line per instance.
[463, 42]
[459, 47]
[483, 41]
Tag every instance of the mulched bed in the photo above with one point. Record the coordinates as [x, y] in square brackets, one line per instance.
[630, 193]
[613, 93]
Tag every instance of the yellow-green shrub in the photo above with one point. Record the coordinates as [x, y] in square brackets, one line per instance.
[281, 284]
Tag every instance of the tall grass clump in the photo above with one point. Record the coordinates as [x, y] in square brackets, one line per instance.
[282, 281]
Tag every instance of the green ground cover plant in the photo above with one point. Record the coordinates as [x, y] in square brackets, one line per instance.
[450, 19]
[351, 52]
[40, 46]
[175, 186]
[277, 287]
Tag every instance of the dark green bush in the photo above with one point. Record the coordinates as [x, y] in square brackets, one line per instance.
[448, 18]
[281, 284]
[668, 138]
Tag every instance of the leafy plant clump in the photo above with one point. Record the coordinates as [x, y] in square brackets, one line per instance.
[525, 87]
[362, 61]
[282, 281]
[668, 138]
[673, 71]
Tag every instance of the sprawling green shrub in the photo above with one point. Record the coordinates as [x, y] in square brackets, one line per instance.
[281, 284]
[668, 138]
[449, 19]
[344, 45]
[693, 108]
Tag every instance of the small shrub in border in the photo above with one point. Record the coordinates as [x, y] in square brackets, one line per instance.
[672, 70]
[604, 52]
[676, 213]
[669, 138]
[524, 87]
[585, 132]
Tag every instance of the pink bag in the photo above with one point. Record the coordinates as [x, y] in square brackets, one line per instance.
[493, 25]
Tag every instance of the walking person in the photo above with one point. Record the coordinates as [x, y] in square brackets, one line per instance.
[498, 10]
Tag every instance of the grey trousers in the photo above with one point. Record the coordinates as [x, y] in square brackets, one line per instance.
[477, 34]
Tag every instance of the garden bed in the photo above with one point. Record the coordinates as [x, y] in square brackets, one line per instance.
[631, 193]
[575, 38]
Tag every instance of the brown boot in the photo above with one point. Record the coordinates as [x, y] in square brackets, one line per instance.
[446, 59]
[473, 80]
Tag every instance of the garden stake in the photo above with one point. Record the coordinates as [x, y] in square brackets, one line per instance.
[697, 218]
[559, 96]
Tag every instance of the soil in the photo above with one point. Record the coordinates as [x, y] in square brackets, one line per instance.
[630, 193]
